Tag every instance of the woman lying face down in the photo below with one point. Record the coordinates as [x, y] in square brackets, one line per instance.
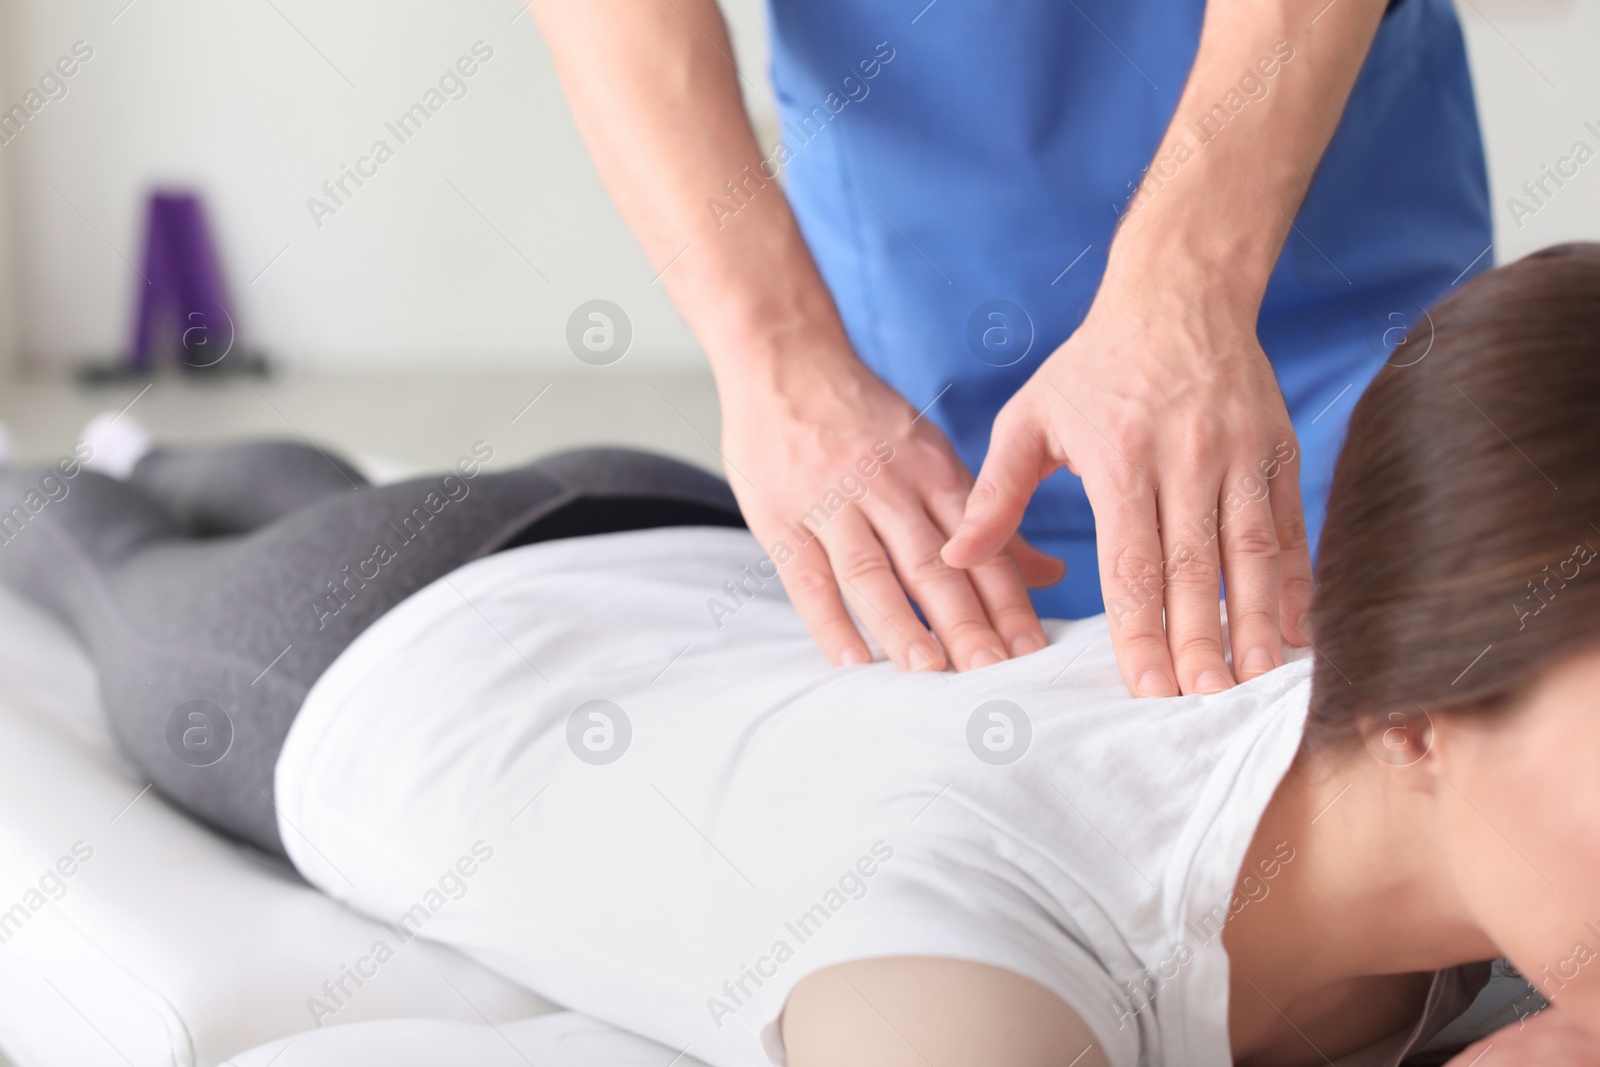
[528, 737]
[1444, 805]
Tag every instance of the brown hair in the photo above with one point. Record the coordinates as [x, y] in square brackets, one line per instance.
[1461, 553]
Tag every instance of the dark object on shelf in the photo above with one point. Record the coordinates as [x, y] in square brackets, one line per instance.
[183, 307]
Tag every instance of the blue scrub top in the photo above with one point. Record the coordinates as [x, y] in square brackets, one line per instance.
[942, 157]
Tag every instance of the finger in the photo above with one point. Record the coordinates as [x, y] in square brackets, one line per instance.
[869, 583]
[1295, 581]
[1250, 560]
[1005, 599]
[1189, 517]
[1129, 551]
[1011, 472]
[1002, 593]
[945, 594]
[1038, 568]
[812, 590]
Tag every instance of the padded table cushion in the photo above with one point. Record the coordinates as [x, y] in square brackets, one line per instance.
[562, 1039]
[166, 944]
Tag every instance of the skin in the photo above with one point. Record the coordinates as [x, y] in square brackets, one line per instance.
[799, 409]
[1174, 401]
[1163, 401]
[1425, 845]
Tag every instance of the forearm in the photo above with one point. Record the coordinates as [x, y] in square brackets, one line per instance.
[1269, 83]
[661, 111]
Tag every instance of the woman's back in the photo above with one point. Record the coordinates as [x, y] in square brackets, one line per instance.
[736, 814]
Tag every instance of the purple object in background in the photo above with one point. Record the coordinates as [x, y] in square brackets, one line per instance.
[183, 283]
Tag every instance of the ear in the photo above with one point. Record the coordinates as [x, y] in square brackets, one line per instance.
[1404, 738]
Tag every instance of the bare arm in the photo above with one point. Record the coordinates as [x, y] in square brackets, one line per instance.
[1550, 1039]
[803, 419]
[660, 108]
[913, 1011]
[1163, 400]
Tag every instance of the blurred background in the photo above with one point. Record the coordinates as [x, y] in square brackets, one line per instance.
[429, 307]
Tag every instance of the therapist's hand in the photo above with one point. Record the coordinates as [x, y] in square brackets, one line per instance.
[1168, 409]
[1163, 399]
[803, 419]
[839, 468]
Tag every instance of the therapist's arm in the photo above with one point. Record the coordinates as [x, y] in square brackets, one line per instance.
[1163, 400]
[812, 440]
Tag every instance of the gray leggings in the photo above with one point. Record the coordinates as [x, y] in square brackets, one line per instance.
[215, 586]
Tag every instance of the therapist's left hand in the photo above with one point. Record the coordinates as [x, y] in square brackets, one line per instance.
[1163, 401]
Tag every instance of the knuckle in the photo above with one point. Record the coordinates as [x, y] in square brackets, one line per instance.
[1191, 586]
[986, 491]
[1196, 438]
[861, 565]
[962, 632]
[925, 567]
[1117, 478]
[1252, 616]
[1120, 473]
[1292, 534]
[1136, 583]
[1191, 571]
[1133, 564]
[1296, 590]
[1135, 617]
[1126, 428]
[1253, 539]
[1197, 646]
[809, 583]
[1143, 651]
[1014, 619]
[836, 631]
[946, 482]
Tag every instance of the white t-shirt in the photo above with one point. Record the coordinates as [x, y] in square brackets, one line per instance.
[752, 814]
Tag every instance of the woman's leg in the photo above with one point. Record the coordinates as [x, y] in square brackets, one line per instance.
[206, 649]
[235, 488]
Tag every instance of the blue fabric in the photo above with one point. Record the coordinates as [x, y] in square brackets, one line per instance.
[943, 156]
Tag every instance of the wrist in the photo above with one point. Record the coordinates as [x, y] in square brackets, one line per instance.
[790, 368]
[1212, 234]
[1187, 278]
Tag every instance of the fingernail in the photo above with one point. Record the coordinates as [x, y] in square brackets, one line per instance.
[962, 531]
[1211, 681]
[1258, 661]
[1025, 644]
[924, 657]
[855, 657]
[984, 657]
[1155, 683]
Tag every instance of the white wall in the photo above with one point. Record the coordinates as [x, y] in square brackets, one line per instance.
[1538, 84]
[252, 101]
[8, 316]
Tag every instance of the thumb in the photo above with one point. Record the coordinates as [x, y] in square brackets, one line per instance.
[1011, 472]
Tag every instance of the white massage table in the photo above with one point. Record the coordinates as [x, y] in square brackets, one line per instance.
[172, 946]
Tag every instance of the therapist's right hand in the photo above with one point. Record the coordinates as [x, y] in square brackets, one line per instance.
[799, 452]
[801, 413]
